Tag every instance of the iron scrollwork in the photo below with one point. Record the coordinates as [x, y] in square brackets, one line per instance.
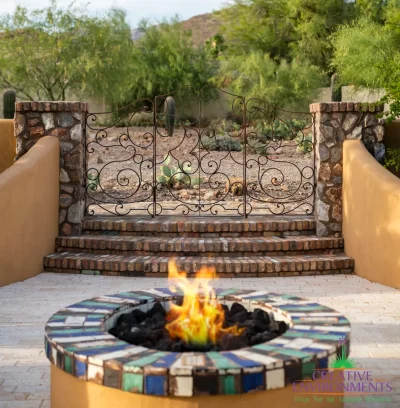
[245, 161]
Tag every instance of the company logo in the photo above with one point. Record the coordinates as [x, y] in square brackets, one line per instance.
[343, 361]
[344, 382]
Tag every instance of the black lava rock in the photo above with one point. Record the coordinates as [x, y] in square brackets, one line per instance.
[157, 309]
[237, 308]
[128, 318]
[261, 316]
[229, 342]
[239, 317]
[148, 329]
[139, 315]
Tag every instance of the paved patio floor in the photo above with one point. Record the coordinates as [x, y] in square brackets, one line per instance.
[373, 310]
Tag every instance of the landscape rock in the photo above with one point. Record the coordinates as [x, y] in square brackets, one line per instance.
[64, 178]
[350, 121]
[48, 120]
[76, 132]
[65, 119]
[323, 211]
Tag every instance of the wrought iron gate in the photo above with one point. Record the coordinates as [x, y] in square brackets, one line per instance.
[251, 159]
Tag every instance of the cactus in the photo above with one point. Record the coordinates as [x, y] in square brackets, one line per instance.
[169, 111]
[336, 91]
[9, 98]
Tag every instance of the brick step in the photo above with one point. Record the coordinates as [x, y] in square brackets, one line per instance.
[174, 246]
[174, 226]
[157, 266]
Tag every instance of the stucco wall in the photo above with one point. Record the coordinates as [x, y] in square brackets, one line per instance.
[371, 216]
[7, 143]
[29, 192]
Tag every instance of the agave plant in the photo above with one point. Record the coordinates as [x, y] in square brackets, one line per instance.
[176, 176]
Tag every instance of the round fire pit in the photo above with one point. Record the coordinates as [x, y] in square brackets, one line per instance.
[92, 368]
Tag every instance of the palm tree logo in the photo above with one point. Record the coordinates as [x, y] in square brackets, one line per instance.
[342, 361]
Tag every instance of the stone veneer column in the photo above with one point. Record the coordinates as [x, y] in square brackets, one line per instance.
[66, 121]
[334, 123]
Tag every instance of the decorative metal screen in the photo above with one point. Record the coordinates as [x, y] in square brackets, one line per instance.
[206, 152]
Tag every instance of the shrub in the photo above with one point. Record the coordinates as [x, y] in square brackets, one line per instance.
[223, 143]
[393, 159]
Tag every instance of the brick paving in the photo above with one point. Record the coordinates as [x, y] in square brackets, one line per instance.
[373, 310]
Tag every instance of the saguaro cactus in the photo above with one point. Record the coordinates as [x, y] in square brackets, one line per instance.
[336, 92]
[9, 98]
[169, 111]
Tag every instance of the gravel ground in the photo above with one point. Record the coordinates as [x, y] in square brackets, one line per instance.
[124, 160]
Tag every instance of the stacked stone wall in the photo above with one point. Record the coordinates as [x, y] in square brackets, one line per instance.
[66, 121]
[334, 123]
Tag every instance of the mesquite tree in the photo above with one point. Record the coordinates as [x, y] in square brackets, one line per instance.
[51, 53]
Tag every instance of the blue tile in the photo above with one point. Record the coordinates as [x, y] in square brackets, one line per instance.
[253, 381]
[167, 361]
[323, 363]
[155, 384]
[240, 361]
[80, 369]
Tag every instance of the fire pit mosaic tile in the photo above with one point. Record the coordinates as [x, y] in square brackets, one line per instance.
[77, 341]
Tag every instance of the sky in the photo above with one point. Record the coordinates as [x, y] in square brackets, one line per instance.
[136, 9]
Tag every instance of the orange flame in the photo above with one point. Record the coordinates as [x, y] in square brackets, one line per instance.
[200, 319]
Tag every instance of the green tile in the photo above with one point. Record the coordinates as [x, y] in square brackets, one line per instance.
[68, 364]
[284, 351]
[146, 360]
[221, 362]
[229, 385]
[292, 333]
[132, 383]
[308, 369]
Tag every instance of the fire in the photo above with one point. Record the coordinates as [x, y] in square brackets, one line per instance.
[200, 319]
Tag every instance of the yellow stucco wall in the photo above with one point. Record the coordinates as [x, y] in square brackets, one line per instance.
[371, 216]
[7, 143]
[29, 192]
[70, 392]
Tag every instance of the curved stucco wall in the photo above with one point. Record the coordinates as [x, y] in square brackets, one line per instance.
[7, 144]
[29, 192]
[371, 216]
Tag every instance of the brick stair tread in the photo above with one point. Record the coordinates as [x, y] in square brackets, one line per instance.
[175, 224]
[153, 265]
[195, 244]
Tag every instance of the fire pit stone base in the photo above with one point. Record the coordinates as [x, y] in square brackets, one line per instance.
[77, 343]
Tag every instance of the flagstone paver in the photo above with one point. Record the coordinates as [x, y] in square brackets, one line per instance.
[373, 310]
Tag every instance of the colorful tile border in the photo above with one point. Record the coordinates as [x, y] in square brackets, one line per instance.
[77, 341]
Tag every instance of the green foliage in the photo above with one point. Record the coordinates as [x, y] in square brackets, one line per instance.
[9, 98]
[46, 54]
[304, 143]
[360, 50]
[372, 10]
[367, 54]
[393, 159]
[284, 84]
[165, 60]
[279, 129]
[221, 143]
[215, 46]
[176, 176]
[288, 29]
[266, 132]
